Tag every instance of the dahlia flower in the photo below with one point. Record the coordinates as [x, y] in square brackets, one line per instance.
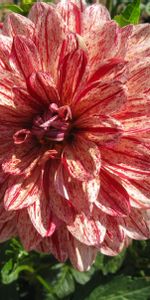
[74, 131]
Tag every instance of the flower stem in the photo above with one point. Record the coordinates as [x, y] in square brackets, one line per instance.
[109, 5]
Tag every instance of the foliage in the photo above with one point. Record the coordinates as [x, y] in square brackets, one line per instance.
[130, 15]
[36, 276]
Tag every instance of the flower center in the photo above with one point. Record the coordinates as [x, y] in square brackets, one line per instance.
[53, 125]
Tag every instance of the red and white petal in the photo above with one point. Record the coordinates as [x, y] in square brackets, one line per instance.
[114, 241]
[89, 231]
[80, 194]
[15, 24]
[135, 117]
[136, 225]
[8, 230]
[24, 58]
[42, 87]
[99, 98]
[103, 42]
[41, 216]
[113, 199]
[48, 40]
[22, 192]
[80, 255]
[5, 49]
[139, 76]
[138, 191]
[129, 158]
[26, 231]
[71, 14]
[138, 43]
[61, 207]
[94, 16]
[82, 159]
[5, 215]
[71, 73]
[99, 128]
[56, 244]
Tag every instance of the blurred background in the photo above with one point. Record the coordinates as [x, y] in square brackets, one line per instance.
[25, 276]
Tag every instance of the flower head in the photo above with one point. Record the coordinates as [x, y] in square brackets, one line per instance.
[74, 138]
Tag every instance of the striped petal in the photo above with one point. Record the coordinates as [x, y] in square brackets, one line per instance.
[80, 255]
[80, 194]
[99, 128]
[89, 231]
[41, 216]
[22, 192]
[43, 88]
[15, 24]
[99, 98]
[82, 159]
[135, 225]
[71, 14]
[27, 233]
[71, 72]
[24, 58]
[59, 206]
[113, 198]
[8, 230]
[135, 117]
[128, 158]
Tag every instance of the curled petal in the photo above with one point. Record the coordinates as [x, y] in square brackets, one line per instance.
[8, 230]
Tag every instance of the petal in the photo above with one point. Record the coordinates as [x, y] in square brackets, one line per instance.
[43, 88]
[99, 98]
[138, 44]
[113, 198]
[5, 215]
[56, 244]
[89, 231]
[136, 226]
[102, 42]
[48, 40]
[138, 191]
[27, 233]
[80, 194]
[71, 72]
[82, 159]
[129, 158]
[15, 24]
[22, 192]
[8, 230]
[41, 216]
[136, 115]
[93, 18]
[59, 206]
[5, 49]
[24, 58]
[99, 128]
[139, 76]
[80, 255]
[71, 14]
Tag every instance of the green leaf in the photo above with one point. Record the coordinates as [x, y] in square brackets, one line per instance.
[122, 288]
[130, 15]
[12, 7]
[110, 264]
[82, 277]
[10, 273]
[65, 284]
